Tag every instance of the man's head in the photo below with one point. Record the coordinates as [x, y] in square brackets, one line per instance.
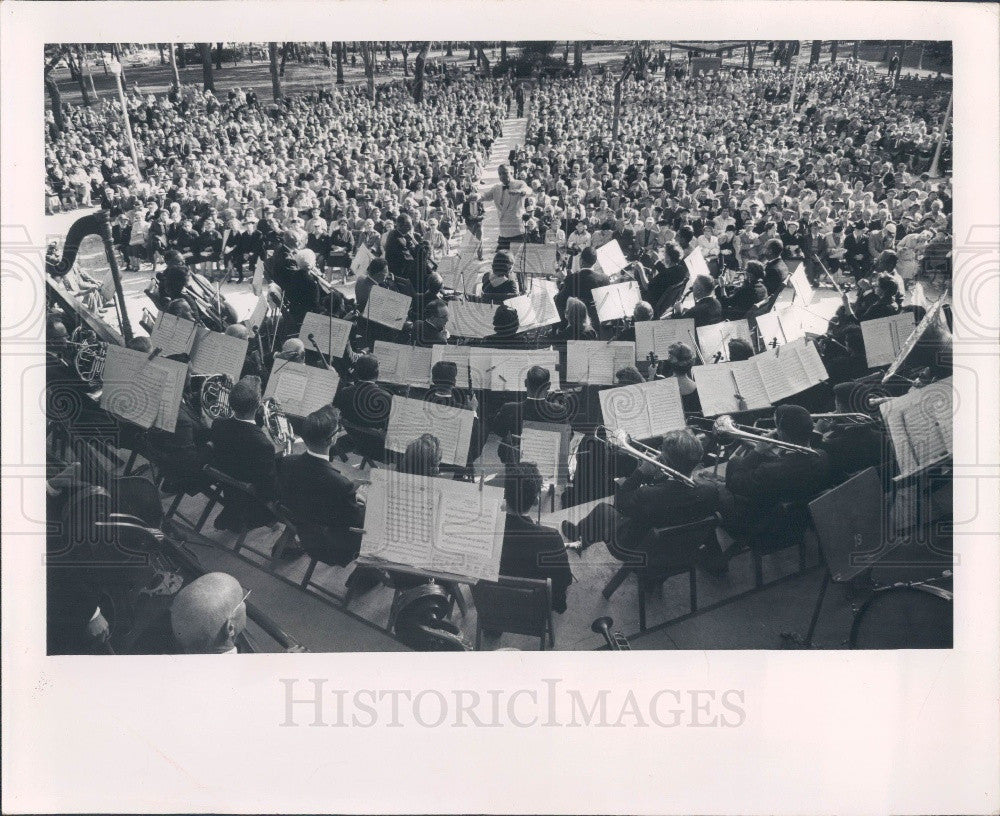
[703, 286]
[642, 311]
[740, 349]
[244, 398]
[377, 268]
[537, 381]
[773, 249]
[294, 350]
[208, 614]
[404, 224]
[681, 451]
[588, 257]
[422, 456]
[522, 486]
[794, 423]
[366, 367]
[444, 373]
[238, 330]
[503, 171]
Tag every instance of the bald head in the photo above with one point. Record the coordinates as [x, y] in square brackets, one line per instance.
[208, 614]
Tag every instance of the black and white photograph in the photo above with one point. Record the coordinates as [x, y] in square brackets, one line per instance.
[750, 241]
[667, 329]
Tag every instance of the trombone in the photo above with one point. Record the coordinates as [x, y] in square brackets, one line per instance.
[847, 417]
[725, 425]
[623, 442]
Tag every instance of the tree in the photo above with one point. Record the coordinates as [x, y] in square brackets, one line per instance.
[418, 72]
[218, 56]
[405, 49]
[181, 55]
[159, 47]
[448, 50]
[833, 50]
[503, 53]
[368, 58]
[814, 54]
[751, 50]
[285, 49]
[206, 66]
[76, 70]
[481, 58]
[341, 47]
[175, 77]
[272, 51]
[633, 61]
[577, 57]
[472, 53]
[53, 58]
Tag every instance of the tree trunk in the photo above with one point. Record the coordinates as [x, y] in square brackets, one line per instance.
[163, 60]
[472, 53]
[418, 72]
[285, 47]
[388, 50]
[482, 58]
[406, 52]
[615, 121]
[82, 79]
[56, 98]
[206, 66]
[272, 51]
[368, 58]
[341, 47]
[175, 76]
[85, 61]
[833, 50]
[327, 54]
[449, 51]
[218, 56]
[503, 53]
[116, 53]
[817, 48]
[855, 49]
[578, 57]
[751, 49]
[181, 55]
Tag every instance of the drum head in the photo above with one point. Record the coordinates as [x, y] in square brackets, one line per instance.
[904, 617]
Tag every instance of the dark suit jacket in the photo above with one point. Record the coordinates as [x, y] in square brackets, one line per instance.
[243, 451]
[581, 285]
[401, 255]
[775, 275]
[313, 491]
[665, 503]
[509, 418]
[705, 312]
[533, 551]
[364, 404]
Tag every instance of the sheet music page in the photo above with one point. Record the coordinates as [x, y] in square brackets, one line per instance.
[321, 388]
[812, 362]
[624, 407]
[459, 355]
[611, 258]
[664, 406]
[171, 392]
[526, 317]
[362, 258]
[173, 335]
[330, 333]
[510, 368]
[387, 308]
[915, 335]
[794, 368]
[601, 367]
[774, 375]
[409, 418]
[803, 289]
[578, 354]
[411, 514]
[259, 312]
[616, 301]
[715, 338]
[658, 335]
[884, 337]
[750, 384]
[695, 262]
[791, 323]
[218, 353]
[481, 366]
[539, 259]
[716, 389]
[471, 319]
[769, 329]
[290, 388]
[418, 367]
[470, 530]
[542, 448]
[542, 296]
[126, 393]
[920, 424]
[391, 366]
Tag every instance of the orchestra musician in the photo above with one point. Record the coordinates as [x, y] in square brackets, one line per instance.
[581, 284]
[364, 406]
[649, 498]
[641, 313]
[775, 271]
[500, 282]
[537, 406]
[706, 309]
[851, 447]
[429, 313]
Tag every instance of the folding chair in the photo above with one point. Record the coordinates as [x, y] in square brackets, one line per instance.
[521, 606]
[228, 488]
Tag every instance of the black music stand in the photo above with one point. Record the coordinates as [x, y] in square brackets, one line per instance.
[845, 517]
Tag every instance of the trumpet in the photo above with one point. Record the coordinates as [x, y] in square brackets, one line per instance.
[725, 425]
[623, 442]
[617, 642]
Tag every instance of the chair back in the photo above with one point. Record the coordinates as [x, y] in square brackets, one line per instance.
[518, 605]
[323, 543]
[228, 482]
[675, 549]
[368, 443]
[139, 497]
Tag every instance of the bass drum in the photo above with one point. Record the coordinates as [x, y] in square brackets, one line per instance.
[905, 616]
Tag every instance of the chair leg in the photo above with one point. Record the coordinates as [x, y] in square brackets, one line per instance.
[205, 514]
[552, 631]
[479, 636]
[758, 570]
[692, 577]
[642, 605]
[174, 505]
[309, 573]
[131, 463]
[242, 540]
[802, 555]
[456, 590]
[612, 586]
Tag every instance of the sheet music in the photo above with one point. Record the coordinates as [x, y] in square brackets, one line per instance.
[542, 448]
[921, 426]
[403, 365]
[460, 273]
[171, 392]
[330, 333]
[884, 337]
[596, 361]
[645, 410]
[300, 389]
[259, 312]
[770, 329]
[173, 335]
[481, 367]
[218, 353]
[695, 262]
[459, 355]
[611, 258]
[774, 374]
[750, 384]
[932, 315]
[535, 260]
[471, 319]
[715, 338]
[409, 418]
[718, 387]
[511, 367]
[542, 296]
[362, 258]
[131, 388]
[387, 308]
[803, 289]
[812, 362]
[616, 301]
[438, 525]
[658, 335]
